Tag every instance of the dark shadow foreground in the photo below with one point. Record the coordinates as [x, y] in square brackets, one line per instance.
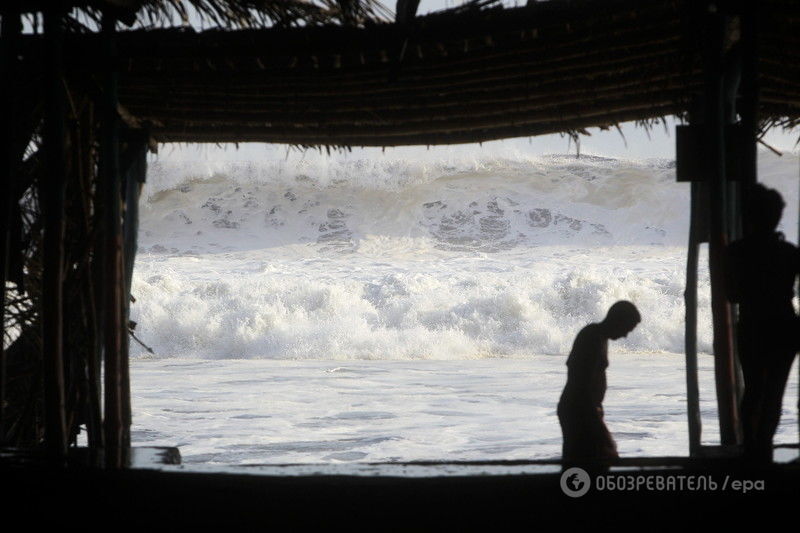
[158, 499]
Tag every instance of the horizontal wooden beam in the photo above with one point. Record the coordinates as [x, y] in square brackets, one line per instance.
[452, 134]
[406, 111]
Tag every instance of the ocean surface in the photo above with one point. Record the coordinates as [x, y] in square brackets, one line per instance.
[334, 309]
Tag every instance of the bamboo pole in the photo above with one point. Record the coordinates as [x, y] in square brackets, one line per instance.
[112, 280]
[134, 177]
[520, 96]
[750, 97]
[481, 110]
[690, 299]
[89, 299]
[422, 120]
[98, 287]
[365, 136]
[51, 196]
[124, 367]
[748, 110]
[9, 33]
[533, 124]
[715, 150]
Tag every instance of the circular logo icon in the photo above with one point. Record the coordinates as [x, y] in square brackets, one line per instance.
[575, 482]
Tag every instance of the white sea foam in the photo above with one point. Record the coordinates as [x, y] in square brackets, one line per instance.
[310, 257]
[267, 412]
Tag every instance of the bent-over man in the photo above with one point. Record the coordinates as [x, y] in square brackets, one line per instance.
[580, 410]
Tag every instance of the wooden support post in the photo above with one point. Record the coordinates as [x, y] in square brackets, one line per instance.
[748, 109]
[133, 164]
[688, 167]
[97, 288]
[9, 33]
[112, 267]
[134, 169]
[690, 299]
[51, 197]
[724, 370]
[86, 174]
[750, 96]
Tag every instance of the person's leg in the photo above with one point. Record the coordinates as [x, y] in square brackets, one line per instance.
[776, 376]
[569, 438]
[754, 375]
[605, 445]
[578, 439]
[565, 439]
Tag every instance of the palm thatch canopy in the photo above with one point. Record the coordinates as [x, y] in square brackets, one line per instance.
[227, 14]
[466, 75]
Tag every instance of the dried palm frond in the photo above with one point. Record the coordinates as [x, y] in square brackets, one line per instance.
[238, 14]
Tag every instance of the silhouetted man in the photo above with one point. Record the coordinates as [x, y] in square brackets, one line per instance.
[762, 268]
[580, 410]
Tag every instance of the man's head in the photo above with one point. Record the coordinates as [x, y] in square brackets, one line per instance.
[764, 208]
[622, 317]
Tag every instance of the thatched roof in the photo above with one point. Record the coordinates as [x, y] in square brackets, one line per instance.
[467, 76]
[230, 14]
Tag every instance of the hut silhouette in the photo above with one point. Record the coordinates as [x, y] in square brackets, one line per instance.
[93, 84]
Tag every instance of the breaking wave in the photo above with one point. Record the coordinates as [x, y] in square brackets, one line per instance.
[334, 258]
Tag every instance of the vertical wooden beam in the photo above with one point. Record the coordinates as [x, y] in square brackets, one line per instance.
[748, 110]
[133, 163]
[97, 288]
[135, 174]
[690, 299]
[750, 95]
[724, 369]
[90, 282]
[124, 368]
[687, 168]
[85, 171]
[112, 268]
[51, 197]
[10, 30]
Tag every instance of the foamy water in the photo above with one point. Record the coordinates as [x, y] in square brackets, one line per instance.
[432, 293]
[265, 412]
